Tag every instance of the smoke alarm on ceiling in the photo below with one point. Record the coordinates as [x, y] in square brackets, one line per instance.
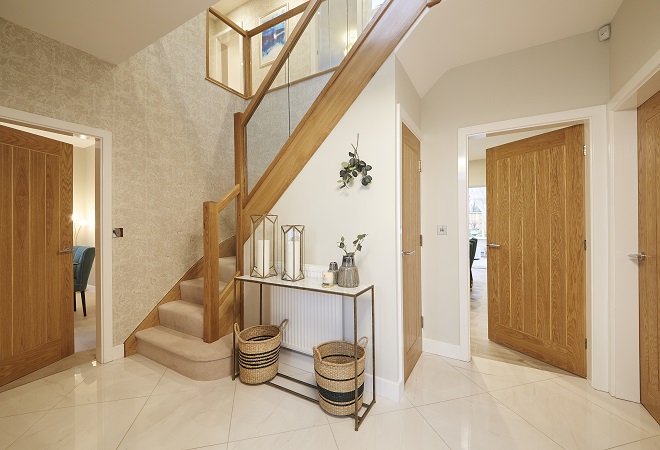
[604, 33]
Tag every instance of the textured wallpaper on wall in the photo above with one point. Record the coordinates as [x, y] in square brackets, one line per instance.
[172, 146]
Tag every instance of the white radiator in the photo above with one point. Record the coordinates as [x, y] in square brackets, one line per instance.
[314, 318]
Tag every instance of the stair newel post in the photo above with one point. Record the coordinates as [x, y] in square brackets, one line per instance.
[240, 171]
[211, 276]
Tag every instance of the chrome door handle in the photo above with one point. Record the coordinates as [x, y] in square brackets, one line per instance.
[66, 250]
[408, 253]
[491, 245]
[638, 256]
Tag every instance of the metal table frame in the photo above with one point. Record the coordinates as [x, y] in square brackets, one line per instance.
[306, 286]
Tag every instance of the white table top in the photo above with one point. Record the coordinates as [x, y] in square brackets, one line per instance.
[308, 284]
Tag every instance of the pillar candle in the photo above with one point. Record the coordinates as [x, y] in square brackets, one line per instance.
[292, 258]
[262, 257]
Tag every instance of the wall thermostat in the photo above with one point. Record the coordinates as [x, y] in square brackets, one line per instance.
[604, 33]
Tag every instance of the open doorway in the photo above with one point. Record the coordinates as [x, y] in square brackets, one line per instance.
[531, 306]
[98, 147]
[84, 241]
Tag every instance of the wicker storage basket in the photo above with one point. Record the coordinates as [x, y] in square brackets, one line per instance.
[259, 352]
[334, 364]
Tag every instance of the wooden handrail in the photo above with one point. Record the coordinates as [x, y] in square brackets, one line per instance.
[222, 204]
[433, 3]
[279, 19]
[211, 263]
[228, 21]
[298, 31]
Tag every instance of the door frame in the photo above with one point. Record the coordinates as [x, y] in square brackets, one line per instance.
[624, 379]
[596, 202]
[105, 351]
[402, 117]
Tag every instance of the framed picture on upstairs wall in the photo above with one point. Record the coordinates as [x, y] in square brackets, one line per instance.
[272, 40]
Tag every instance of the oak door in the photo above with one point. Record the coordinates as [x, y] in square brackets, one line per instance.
[536, 255]
[36, 280]
[411, 245]
[648, 135]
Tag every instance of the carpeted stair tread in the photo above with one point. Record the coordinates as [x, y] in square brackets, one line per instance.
[185, 345]
[227, 268]
[183, 316]
[186, 354]
[193, 290]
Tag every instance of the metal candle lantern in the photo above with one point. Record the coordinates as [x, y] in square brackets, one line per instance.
[293, 252]
[263, 245]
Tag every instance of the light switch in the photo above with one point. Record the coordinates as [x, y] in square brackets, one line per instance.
[442, 229]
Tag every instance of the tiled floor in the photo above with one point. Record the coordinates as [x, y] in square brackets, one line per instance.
[484, 404]
[499, 400]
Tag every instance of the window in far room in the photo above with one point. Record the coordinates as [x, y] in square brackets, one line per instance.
[477, 211]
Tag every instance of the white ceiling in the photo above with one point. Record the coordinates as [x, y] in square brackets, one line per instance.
[458, 32]
[110, 30]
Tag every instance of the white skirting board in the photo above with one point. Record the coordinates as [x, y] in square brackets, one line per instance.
[117, 352]
[384, 388]
[442, 349]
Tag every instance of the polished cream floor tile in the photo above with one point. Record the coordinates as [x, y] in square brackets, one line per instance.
[182, 420]
[405, 429]
[383, 405]
[629, 411]
[481, 422]
[494, 375]
[433, 380]
[317, 438]
[137, 403]
[567, 418]
[115, 382]
[42, 394]
[172, 382]
[646, 444]
[102, 425]
[496, 368]
[263, 410]
[11, 428]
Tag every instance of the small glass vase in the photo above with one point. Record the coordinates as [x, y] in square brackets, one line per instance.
[348, 273]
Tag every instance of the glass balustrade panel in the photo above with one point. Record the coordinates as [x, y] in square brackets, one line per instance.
[326, 41]
[225, 55]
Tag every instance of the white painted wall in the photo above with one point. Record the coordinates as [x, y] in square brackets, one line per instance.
[407, 97]
[315, 200]
[477, 173]
[84, 199]
[635, 39]
[525, 83]
[624, 311]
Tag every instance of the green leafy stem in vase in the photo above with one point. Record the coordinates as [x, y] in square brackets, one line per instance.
[357, 245]
[353, 167]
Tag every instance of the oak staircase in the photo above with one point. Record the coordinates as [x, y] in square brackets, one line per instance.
[190, 330]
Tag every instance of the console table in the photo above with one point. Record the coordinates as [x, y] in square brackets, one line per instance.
[314, 285]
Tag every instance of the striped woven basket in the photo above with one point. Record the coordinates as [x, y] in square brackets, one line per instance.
[334, 364]
[259, 352]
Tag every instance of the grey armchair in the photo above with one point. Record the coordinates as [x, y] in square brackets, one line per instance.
[83, 257]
